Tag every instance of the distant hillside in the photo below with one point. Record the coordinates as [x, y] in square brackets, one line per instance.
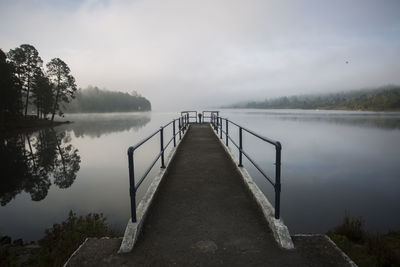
[93, 99]
[380, 99]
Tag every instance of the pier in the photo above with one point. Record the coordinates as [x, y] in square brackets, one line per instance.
[203, 209]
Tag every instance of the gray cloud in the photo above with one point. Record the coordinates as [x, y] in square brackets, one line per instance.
[184, 54]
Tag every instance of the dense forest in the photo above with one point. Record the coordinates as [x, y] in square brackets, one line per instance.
[31, 93]
[380, 99]
[93, 99]
[25, 85]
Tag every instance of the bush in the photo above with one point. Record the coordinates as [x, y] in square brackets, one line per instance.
[352, 228]
[63, 239]
[364, 248]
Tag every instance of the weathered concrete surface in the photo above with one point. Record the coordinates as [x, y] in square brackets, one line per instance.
[133, 229]
[315, 250]
[279, 229]
[203, 215]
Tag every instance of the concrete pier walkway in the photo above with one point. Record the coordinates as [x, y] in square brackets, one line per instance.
[203, 215]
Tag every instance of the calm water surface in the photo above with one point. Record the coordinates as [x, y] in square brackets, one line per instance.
[333, 161]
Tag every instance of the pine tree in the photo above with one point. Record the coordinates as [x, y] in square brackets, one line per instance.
[63, 83]
[27, 63]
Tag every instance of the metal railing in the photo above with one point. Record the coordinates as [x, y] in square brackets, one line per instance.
[208, 114]
[217, 123]
[189, 114]
[183, 122]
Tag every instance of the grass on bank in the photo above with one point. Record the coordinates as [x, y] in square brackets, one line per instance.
[61, 240]
[365, 248]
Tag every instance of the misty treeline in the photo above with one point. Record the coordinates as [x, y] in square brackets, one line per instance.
[26, 85]
[379, 99]
[32, 162]
[93, 99]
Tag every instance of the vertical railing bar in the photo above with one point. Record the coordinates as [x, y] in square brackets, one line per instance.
[132, 189]
[162, 147]
[173, 132]
[277, 186]
[179, 126]
[220, 133]
[213, 121]
[226, 132]
[217, 122]
[240, 147]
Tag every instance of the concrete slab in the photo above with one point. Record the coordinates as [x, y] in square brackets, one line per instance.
[132, 230]
[278, 227]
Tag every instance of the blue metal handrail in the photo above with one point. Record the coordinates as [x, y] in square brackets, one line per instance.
[183, 122]
[189, 114]
[211, 114]
[217, 123]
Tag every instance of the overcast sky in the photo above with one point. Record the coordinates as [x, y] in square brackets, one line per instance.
[191, 54]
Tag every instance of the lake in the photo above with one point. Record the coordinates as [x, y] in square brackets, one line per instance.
[332, 162]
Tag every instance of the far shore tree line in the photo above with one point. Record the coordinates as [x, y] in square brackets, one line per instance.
[26, 84]
[386, 98]
[94, 99]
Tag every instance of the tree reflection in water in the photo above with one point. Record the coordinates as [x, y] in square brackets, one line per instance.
[29, 161]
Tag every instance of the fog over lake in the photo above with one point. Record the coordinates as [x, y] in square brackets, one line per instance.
[212, 53]
[332, 161]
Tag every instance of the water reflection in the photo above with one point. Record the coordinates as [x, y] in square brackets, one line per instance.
[96, 125]
[29, 161]
[331, 162]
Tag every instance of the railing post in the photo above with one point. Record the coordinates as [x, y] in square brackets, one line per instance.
[132, 189]
[213, 120]
[226, 132]
[277, 186]
[220, 133]
[214, 117]
[216, 126]
[179, 125]
[173, 132]
[183, 125]
[162, 147]
[240, 147]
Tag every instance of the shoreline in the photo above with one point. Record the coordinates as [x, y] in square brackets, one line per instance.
[319, 108]
[29, 125]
